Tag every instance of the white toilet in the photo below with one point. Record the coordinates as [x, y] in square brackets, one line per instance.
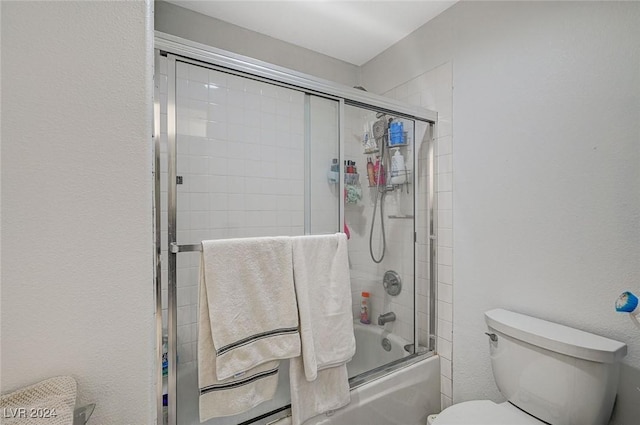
[549, 374]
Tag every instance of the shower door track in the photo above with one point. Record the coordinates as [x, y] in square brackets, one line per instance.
[177, 49]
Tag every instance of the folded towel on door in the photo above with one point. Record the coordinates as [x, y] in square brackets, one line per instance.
[329, 391]
[323, 291]
[251, 300]
[229, 396]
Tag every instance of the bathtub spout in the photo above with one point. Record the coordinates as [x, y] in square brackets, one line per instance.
[387, 317]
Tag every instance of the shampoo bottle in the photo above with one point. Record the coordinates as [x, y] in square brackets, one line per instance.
[378, 170]
[364, 309]
[398, 169]
[371, 175]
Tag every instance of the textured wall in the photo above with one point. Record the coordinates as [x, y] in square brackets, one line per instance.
[77, 293]
[546, 194]
[185, 23]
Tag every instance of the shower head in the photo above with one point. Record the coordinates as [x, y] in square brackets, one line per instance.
[379, 128]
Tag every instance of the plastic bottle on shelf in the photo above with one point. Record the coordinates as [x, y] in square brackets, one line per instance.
[370, 172]
[365, 138]
[396, 133]
[378, 170]
[398, 168]
[165, 351]
[369, 142]
[333, 175]
[364, 309]
[165, 408]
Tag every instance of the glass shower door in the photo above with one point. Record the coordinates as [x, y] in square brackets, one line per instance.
[246, 165]
[240, 173]
[380, 213]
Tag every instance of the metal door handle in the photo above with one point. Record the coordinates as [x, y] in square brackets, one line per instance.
[492, 337]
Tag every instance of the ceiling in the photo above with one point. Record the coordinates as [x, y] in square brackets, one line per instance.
[352, 31]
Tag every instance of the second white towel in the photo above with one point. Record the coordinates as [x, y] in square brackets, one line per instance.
[323, 290]
[319, 379]
[329, 391]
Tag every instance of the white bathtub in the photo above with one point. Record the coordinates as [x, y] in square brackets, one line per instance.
[405, 396]
[402, 397]
[369, 352]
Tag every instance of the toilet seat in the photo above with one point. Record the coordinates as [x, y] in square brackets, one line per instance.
[485, 412]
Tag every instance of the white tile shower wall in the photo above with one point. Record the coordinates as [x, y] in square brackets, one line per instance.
[422, 234]
[433, 90]
[365, 274]
[240, 153]
[324, 138]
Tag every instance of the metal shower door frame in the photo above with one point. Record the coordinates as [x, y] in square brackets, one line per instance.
[176, 49]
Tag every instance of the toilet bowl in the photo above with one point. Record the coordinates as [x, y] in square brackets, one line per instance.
[549, 374]
[484, 412]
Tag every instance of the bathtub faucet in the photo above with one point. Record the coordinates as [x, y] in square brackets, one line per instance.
[387, 317]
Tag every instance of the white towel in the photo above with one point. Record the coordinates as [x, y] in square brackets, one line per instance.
[251, 300]
[248, 320]
[323, 291]
[330, 391]
[231, 396]
[319, 380]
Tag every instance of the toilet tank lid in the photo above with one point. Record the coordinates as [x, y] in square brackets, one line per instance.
[554, 337]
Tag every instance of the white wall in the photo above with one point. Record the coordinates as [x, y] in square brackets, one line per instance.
[77, 294]
[546, 193]
[185, 23]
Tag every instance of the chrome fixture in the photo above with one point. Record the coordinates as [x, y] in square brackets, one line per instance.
[392, 283]
[386, 344]
[410, 348]
[386, 318]
[492, 337]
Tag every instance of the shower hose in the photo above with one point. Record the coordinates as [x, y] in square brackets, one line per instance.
[380, 194]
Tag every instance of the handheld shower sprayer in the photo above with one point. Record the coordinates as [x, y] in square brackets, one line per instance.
[628, 303]
[380, 133]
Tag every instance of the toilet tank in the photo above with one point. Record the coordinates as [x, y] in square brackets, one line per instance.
[558, 374]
